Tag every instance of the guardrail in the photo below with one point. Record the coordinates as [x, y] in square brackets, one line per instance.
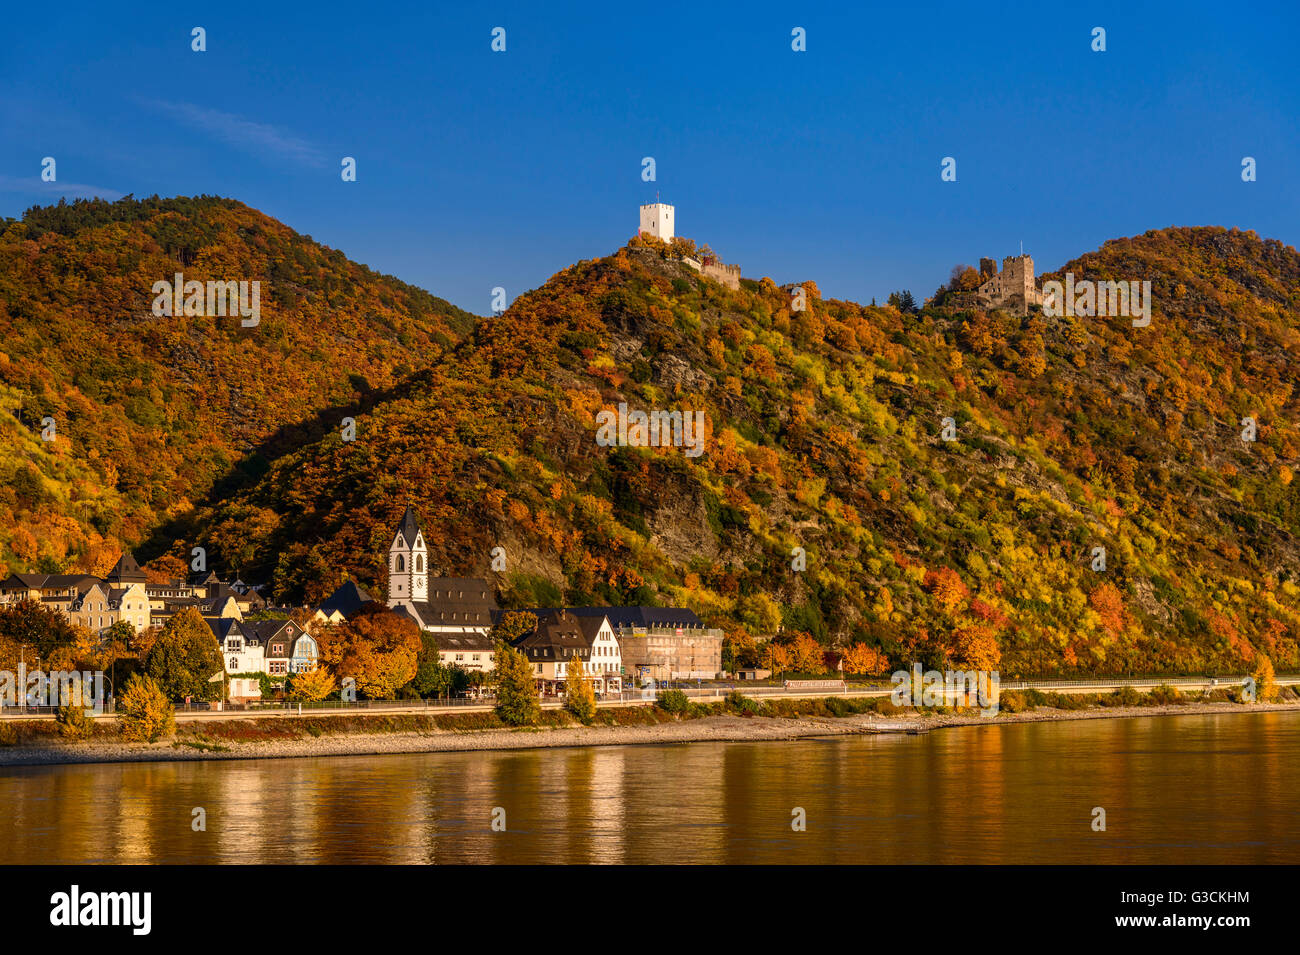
[715, 691]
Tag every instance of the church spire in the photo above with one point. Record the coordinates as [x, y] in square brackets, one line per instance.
[409, 528]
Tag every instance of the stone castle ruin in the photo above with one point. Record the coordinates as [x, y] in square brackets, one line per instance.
[1013, 287]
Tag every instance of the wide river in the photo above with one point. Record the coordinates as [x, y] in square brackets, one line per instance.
[1202, 788]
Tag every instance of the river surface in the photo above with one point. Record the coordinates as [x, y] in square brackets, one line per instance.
[1202, 788]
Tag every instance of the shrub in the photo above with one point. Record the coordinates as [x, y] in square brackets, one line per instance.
[673, 701]
[1011, 701]
[144, 712]
[74, 723]
[1034, 698]
[579, 696]
[838, 707]
[312, 686]
[1164, 694]
[1068, 701]
[742, 705]
[1124, 696]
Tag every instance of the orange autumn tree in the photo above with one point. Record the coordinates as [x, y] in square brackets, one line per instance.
[976, 648]
[377, 647]
[776, 658]
[1107, 603]
[862, 659]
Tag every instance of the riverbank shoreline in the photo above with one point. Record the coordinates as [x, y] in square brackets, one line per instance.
[715, 728]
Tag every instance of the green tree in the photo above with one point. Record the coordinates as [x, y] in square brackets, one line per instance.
[517, 703]
[185, 657]
[513, 625]
[431, 677]
[33, 624]
[579, 695]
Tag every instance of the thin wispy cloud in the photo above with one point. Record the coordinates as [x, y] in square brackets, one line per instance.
[34, 185]
[245, 134]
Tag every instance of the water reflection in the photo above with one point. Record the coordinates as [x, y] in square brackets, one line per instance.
[1208, 788]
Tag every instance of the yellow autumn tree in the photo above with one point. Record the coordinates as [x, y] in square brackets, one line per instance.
[312, 686]
[144, 711]
[1265, 685]
[579, 696]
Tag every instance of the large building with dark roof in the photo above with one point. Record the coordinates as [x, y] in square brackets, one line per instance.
[657, 643]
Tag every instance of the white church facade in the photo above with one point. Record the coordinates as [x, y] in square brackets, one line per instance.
[457, 611]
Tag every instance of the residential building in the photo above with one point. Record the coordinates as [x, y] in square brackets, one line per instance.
[287, 647]
[662, 643]
[552, 647]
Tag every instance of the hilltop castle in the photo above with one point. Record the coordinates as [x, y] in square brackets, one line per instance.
[657, 221]
[1014, 286]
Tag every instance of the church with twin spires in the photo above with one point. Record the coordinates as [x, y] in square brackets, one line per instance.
[456, 610]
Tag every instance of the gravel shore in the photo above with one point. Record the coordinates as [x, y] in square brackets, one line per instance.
[707, 729]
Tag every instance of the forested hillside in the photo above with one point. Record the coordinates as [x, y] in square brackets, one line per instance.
[825, 434]
[151, 414]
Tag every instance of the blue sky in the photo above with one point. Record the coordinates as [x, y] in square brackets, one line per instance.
[478, 169]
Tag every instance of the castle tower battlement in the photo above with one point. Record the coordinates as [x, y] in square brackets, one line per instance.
[657, 220]
[1013, 286]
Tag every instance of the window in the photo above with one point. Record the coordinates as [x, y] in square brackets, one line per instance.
[419, 563]
[401, 564]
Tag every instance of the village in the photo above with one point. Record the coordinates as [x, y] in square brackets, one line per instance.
[613, 645]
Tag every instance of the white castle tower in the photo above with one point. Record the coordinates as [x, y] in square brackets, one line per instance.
[657, 220]
[408, 563]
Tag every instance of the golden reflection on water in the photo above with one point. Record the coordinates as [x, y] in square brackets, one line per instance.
[1201, 788]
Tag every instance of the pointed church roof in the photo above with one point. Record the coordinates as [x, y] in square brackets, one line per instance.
[127, 571]
[410, 526]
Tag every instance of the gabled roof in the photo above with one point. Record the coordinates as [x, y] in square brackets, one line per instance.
[223, 627]
[127, 571]
[558, 636]
[347, 599]
[590, 626]
[269, 628]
